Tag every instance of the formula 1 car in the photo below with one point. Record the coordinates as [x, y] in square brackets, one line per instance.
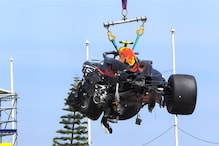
[120, 91]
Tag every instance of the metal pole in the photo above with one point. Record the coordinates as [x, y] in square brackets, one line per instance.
[174, 72]
[173, 50]
[88, 120]
[12, 100]
[87, 49]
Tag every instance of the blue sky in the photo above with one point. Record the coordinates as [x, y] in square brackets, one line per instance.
[47, 40]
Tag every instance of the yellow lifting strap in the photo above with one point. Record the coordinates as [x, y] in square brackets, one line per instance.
[140, 30]
[111, 36]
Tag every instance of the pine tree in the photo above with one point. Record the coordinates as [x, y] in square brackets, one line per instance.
[74, 124]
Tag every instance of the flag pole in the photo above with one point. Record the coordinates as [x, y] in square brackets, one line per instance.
[88, 120]
[174, 72]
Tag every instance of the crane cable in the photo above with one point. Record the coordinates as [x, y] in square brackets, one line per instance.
[124, 9]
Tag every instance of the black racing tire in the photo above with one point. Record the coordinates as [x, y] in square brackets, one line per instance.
[182, 94]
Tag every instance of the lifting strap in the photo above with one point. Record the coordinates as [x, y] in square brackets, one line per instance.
[124, 4]
[124, 9]
[112, 38]
[139, 33]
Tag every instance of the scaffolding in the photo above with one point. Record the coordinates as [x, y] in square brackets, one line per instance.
[8, 113]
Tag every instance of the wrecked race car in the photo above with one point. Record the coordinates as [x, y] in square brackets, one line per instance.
[120, 88]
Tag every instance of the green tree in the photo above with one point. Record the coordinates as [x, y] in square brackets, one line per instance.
[74, 132]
